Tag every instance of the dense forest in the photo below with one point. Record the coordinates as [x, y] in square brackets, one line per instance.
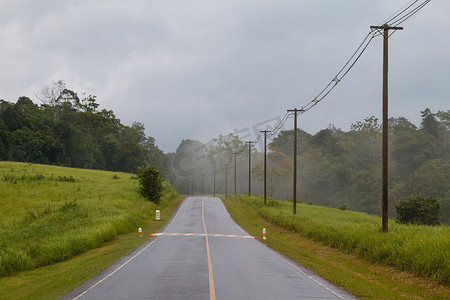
[335, 168]
[67, 130]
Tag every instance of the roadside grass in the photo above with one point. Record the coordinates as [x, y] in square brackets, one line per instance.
[55, 280]
[50, 214]
[351, 269]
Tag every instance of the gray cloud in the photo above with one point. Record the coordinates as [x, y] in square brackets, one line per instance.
[197, 69]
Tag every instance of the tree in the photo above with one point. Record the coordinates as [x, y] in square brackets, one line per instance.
[432, 179]
[221, 152]
[429, 123]
[278, 167]
[155, 156]
[109, 148]
[150, 183]
[285, 141]
[13, 118]
[88, 104]
[444, 117]
[29, 146]
[370, 124]
[5, 142]
[192, 159]
[69, 131]
[49, 94]
[418, 210]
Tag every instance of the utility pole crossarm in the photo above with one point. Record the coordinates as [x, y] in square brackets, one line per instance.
[386, 26]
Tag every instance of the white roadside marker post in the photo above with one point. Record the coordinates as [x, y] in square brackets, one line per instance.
[264, 233]
[140, 232]
[158, 215]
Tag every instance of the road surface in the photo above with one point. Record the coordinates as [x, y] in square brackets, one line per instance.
[203, 254]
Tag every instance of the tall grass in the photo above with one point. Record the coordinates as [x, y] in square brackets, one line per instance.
[423, 250]
[49, 214]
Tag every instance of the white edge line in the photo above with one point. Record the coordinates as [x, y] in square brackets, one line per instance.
[310, 277]
[113, 272]
[300, 270]
[239, 227]
[125, 263]
[282, 258]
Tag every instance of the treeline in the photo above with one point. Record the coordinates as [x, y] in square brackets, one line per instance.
[67, 130]
[343, 169]
[335, 168]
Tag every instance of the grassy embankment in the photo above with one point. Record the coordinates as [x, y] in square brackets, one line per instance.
[52, 214]
[349, 249]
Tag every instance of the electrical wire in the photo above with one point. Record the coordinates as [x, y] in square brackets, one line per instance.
[257, 139]
[341, 74]
[410, 14]
[278, 127]
[242, 150]
[395, 19]
[389, 19]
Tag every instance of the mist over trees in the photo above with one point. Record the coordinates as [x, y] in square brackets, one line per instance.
[335, 168]
[68, 130]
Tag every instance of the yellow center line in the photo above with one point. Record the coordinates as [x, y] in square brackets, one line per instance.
[212, 292]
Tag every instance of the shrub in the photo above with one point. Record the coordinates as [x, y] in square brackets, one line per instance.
[420, 249]
[67, 179]
[418, 210]
[150, 183]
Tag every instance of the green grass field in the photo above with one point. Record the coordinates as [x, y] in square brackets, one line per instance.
[302, 239]
[422, 250]
[50, 214]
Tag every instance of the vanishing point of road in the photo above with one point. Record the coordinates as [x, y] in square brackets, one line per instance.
[203, 254]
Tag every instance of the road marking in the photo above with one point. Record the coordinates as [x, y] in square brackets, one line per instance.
[202, 234]
[300, 270]
[212, 292]
[230, 217]
[125, 263]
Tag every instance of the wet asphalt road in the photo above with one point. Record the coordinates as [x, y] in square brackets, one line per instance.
[185, 263]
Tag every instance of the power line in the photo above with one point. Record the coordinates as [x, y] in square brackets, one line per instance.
[240, 151]
[278, 127]
[395, 19]
[398, 12]
[398, 17]
[410, 14]
[341, 74]
[257, 139]
[403, 14]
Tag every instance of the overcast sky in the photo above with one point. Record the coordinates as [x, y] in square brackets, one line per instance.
[196, 69]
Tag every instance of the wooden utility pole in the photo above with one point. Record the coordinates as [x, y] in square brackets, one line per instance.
[384, 179]
[249, 168]
[294, 183]
[235, 177]
[187, 186]
[203, 185]
[226, 181]
[198, 186]
[265, 164]
[214, 182]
